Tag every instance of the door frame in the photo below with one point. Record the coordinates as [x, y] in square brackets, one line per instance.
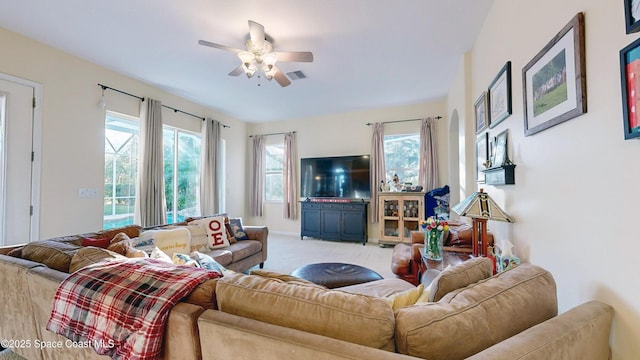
[36, 145]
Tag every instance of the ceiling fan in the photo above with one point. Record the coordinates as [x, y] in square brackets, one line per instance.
[260, 54]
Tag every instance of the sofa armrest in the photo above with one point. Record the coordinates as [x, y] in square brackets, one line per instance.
[181, 340]
[227, 336]
[580, 333]
[259, 233]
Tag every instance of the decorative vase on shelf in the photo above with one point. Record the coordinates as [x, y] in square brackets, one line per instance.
[434, 230]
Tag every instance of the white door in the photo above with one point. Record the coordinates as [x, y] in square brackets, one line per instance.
[16, 161]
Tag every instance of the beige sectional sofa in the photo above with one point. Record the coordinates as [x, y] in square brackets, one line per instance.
[29, 286]
[468, 314]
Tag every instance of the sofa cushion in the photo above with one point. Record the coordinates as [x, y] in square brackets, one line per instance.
[222, 256]
[459, 276]
[379, 288]
[283, 277]
[54, 254]
[492, 310]
[91, 255]
[337, 314]
[244, 249]
[204, 295]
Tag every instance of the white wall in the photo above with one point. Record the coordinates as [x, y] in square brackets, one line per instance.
[346, 134]
[574, 200]
[73, 131]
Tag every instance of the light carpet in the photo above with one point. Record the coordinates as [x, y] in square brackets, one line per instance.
[288, 252]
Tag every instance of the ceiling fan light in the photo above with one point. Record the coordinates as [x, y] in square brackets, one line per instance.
[246, 57]
[250, 72]
[269, 59]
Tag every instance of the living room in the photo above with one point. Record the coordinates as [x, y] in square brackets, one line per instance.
[560, 169]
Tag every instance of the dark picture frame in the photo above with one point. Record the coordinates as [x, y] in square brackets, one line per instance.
[482, 155]
[500, 156]
[630, 85]
[480, 111]
[632, 15]
[499, 96]
[554, 83]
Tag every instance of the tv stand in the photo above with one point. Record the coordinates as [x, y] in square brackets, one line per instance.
[334, 219]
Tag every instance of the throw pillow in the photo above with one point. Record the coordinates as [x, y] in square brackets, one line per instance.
[198, 238]
[184, 259]
[171, 241]
[101, 243]
[459, 276]
[424, 297]
[405, 298]
[160, 255]
[227, 227]
[216, 234]
[144, 239]
[237, 230]
[207, 262]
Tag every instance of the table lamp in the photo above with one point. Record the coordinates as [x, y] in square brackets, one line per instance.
[480, 207]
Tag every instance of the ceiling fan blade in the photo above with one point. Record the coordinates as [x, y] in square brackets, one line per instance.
[256, 33]
[218, 46]
[298, 56]
[237, 71]
[281, 78]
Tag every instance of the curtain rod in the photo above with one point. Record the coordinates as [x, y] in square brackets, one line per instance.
[397, 121]
[105, 87]
[278, 133]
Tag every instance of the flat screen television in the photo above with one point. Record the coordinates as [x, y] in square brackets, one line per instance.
[335, 177]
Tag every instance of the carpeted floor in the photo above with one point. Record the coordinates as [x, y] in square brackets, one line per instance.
[288, 252]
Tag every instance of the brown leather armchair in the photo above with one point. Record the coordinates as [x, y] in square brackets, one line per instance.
[406, 262]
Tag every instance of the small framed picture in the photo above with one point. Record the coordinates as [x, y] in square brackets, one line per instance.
[500, 156]
[630, 84]
[632, 15]
[499, 96]
[480, 107]
[482, 156]
[554, 82]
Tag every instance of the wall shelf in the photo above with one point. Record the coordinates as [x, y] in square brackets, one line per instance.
[500, 175]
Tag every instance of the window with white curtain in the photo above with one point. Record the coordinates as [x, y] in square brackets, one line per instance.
[181, 170]
[402, 157]
[274, 167]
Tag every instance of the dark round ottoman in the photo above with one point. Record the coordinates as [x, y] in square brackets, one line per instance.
[334, 275]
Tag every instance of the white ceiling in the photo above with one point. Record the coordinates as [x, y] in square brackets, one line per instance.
[368, 54]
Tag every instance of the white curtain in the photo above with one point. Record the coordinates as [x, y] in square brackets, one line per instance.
[210, 168]
[428, 169]
[150, 200]
[257, 176]
[289, 189]
[377, 168]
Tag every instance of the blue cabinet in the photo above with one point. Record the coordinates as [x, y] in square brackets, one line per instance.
[334, 221]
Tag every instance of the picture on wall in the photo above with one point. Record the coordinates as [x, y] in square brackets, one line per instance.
[632, 15]
[499, 96]
[480, 107]
[482, 155]
[554, 81]
[630, 84]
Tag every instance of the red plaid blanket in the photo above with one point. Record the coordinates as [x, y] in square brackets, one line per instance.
[121, 307]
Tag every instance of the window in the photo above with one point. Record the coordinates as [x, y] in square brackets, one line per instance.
[121, 140]
[274, 165]
[402, 157]
[181, 171]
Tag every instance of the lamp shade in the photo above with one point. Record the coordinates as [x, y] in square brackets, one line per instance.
[481, 206]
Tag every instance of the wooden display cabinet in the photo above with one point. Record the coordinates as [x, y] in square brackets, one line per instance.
[400, 213]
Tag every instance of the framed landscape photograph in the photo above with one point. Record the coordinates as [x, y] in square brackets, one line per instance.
[499, 96]
[632, 15]
[554, 82]
[480, 107]
[630, 84]
[482, 155]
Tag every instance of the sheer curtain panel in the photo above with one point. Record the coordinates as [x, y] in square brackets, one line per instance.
[428, 169]
[150, 200]
[377, 168]
[289, 189]
[210, 168]
[257, 177]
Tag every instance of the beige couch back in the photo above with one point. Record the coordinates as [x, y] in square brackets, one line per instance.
[471, 319]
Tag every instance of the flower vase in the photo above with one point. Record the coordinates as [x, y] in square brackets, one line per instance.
[433, 244]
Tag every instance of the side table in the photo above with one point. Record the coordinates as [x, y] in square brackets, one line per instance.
[448, 258]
